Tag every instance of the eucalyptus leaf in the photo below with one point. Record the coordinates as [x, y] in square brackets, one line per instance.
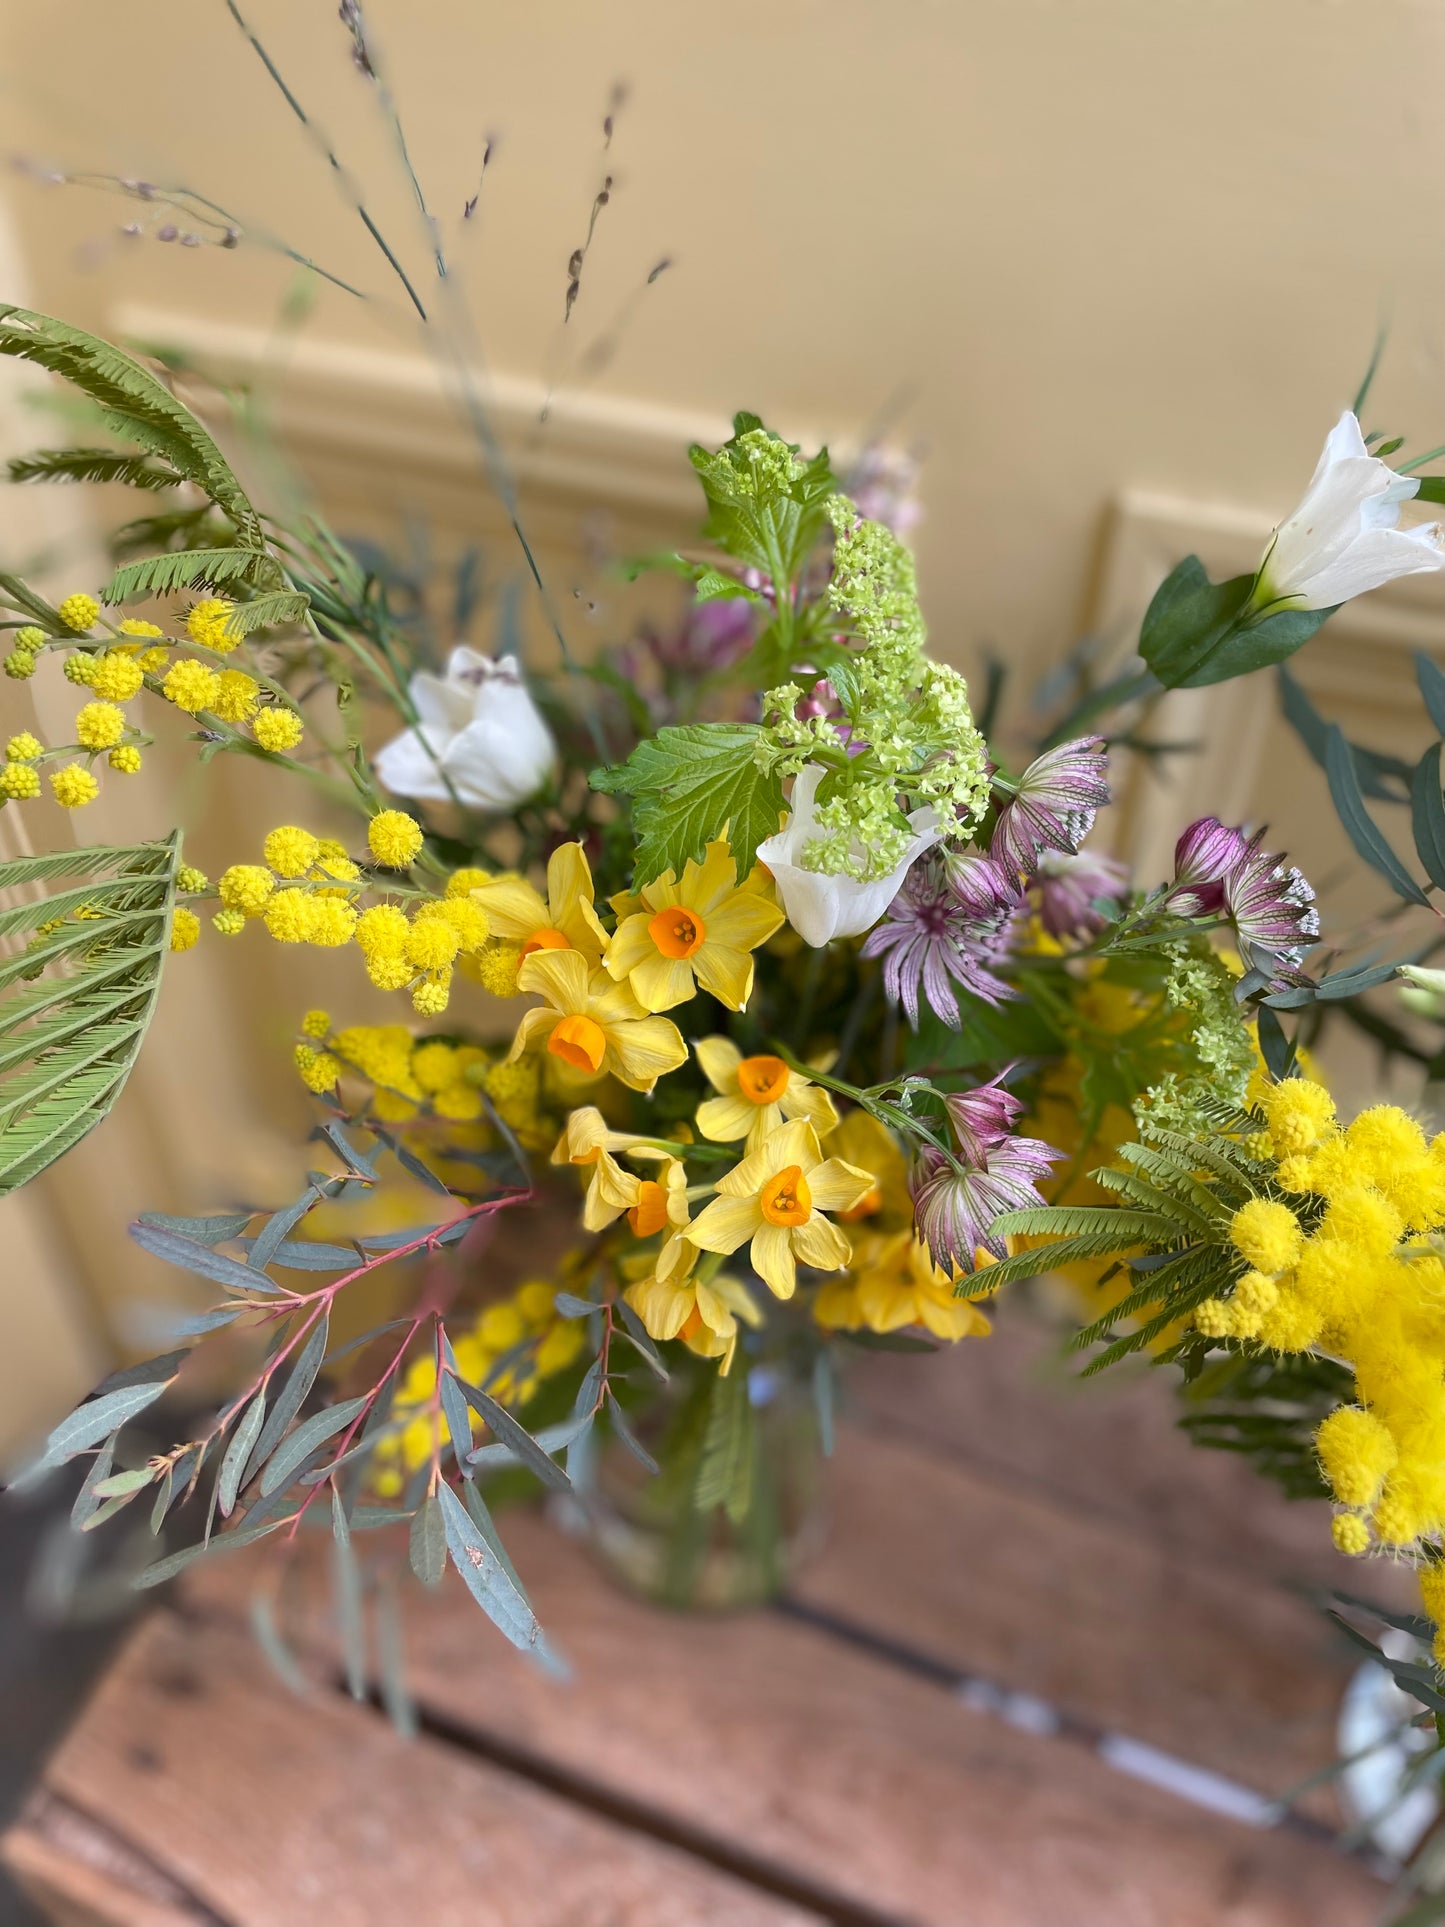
[86, 1501]
[1359, 825]
[311, 1434]
[96, 1420]
[484, 1575]
[509, 1431]
[1427, 815]
[427, 1546]
[293, 1394]
[238, 1453]
[194, 1256]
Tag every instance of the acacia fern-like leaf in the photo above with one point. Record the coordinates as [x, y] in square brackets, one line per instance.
[81, 996]
[94, 465]
[135, 405]
[193, 569]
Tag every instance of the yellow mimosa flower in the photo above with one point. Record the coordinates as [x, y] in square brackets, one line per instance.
[775, 1199]
[562, 920]
[699, 931]
[755, 1095]
[895, 1283]
[593, 1025]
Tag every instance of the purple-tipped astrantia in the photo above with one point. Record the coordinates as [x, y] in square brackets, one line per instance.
[982, 1118]
[1054, 808]
[955, 1210]
[934, 938]
[1271, 906]
[1203, 858]
[1066, 889]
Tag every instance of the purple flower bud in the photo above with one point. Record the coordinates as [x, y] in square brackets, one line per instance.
[1067, 888]
[1203, 857]
[1054, 808]
[982, 1117]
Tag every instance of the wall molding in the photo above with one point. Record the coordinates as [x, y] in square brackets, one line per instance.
[354, 415]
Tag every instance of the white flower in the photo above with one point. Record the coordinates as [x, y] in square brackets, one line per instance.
[1342, 539]
[822, 907]
[479, 739]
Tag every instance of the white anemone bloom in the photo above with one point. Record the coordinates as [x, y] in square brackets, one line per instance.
[822, 907]
[1342, 540]
[479, 739]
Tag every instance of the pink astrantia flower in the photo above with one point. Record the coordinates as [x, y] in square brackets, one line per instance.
[947, 927]
[1271, 907]
[1219, 872]
[1066, 888]
[956, 1202]
[1054, 808]
[955, 1208]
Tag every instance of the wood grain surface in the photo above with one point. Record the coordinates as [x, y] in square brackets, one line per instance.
[833, 1758]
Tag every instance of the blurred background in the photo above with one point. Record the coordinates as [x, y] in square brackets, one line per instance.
[1098, 279]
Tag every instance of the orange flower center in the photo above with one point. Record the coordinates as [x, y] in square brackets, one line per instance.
[578, 1041]
[762, 1080]
[692, 1324]
[649, 1214]
[545, 939]
[870, 1202]
[677, 932]
[786, 1198]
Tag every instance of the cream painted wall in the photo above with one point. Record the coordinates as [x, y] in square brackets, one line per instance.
[1134, 242]
[1070, 250]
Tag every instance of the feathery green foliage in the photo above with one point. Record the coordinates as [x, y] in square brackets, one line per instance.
[75, 1003]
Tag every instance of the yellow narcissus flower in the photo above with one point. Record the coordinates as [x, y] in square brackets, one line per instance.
[896, 1283]
[860, 1139]
[593, 1025]
[755, 1095]
[699, 931]
[562, 920]
[702, 1311]
[588, 1140]
[775, 1198]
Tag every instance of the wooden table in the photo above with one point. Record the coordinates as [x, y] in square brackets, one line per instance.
[1044, 1674]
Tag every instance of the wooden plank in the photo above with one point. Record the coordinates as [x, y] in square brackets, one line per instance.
[73, 1892]
[282, 1813]
[764, 1732]
[1221, 1668]
[1109, 1447]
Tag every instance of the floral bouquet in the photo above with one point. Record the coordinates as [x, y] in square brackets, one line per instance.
[750, 1009]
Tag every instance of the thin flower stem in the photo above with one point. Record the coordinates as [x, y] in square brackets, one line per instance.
[343, 178]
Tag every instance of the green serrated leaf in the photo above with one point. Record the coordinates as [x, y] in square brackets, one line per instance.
[689, 784]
